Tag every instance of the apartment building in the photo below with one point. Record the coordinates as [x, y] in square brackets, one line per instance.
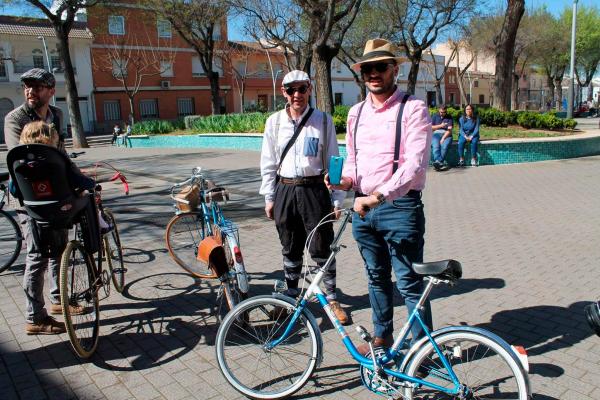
[134, 48]
[27, 43]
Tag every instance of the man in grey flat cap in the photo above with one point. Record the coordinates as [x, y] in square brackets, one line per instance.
[38, 89]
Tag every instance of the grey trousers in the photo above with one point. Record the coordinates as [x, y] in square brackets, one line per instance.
[33, 279]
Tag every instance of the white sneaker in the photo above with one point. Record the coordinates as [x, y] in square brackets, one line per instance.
[473, 162]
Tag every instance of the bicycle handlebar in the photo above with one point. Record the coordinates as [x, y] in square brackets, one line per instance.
[76, 154]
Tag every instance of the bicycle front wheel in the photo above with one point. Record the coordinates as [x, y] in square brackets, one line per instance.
[184, 233]
[484, 368]
[246, 358]
[10, 240]
[114, 253]
[79, 299]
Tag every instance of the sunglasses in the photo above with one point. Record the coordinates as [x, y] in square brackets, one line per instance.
[300, 89]
[379, 67]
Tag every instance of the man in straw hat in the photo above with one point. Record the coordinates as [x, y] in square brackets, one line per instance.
[386, 167]
[296, 150]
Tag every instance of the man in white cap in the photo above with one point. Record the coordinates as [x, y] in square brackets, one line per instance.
[297, 146]
[388, 140]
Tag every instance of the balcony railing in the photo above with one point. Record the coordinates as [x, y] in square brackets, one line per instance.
[21, 68]
[3, 74]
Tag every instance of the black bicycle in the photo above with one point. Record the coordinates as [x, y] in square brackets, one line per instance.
[11, 237]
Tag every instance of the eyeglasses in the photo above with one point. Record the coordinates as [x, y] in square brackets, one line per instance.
[379, 67]
[34, 88]
[300, 89]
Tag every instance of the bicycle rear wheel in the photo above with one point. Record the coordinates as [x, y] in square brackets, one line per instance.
[184, 233]
[249, 365]
[10, 240]
[79, 299]
[233, 295]
[114, 253]
[484, 368]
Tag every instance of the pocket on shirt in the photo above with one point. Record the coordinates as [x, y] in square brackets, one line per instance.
[311, 146]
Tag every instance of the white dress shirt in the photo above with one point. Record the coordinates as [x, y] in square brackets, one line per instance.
[296, 164]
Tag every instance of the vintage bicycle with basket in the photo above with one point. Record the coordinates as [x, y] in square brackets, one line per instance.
[46, 192]
[199, 231]
[269, 346]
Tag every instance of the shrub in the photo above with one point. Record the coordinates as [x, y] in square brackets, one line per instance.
[528, 120]
[570, 123]
[153, 127]
[340, 116]
[228, 123]
[493, 117]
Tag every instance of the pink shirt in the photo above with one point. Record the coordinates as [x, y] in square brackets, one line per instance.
[375, 145]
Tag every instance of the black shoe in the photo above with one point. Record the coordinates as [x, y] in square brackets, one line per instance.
[437, 165]
[461, 163]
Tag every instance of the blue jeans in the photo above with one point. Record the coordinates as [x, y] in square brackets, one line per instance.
[391, 237]
[461, 146]
[440, 149]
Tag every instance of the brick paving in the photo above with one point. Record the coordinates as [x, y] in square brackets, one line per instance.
[527, 236]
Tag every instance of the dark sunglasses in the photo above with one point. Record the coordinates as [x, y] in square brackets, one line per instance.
[34, 87]
[379, 67]
[300, 89]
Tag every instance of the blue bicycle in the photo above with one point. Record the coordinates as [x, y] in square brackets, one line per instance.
[269, 346]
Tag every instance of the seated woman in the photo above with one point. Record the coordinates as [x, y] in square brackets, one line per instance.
[468, 132]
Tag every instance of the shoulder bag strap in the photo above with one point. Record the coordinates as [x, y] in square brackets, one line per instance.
[354, 140]
[297, 131]
[398, 133]
[325, 150]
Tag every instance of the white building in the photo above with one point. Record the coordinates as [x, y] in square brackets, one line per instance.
[22, 48]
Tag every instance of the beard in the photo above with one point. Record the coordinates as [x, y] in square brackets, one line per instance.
[385, 87]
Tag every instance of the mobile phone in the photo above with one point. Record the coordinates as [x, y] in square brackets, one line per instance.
[335, 169]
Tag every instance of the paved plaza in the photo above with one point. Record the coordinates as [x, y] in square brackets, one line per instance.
[527, 236]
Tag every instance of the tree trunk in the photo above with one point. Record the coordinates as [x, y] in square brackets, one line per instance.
[505, 49]
[321, 60]
[558, 92]
[242, 96]
[413, 75]
[590, 92]
[77, 131]
[550, 94]
[514, 101]
[438, 92]
[131, 118]
[213, 78]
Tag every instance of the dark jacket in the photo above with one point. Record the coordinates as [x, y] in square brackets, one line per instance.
[21, 116]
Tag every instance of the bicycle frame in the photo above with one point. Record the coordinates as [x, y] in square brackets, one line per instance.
[377, 364]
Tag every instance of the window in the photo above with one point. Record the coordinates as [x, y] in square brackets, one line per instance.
[452, 79]
[112, 110]
[338, 99]
[119, 68]
[164, 28]
[216, 31]
[475, 83]
[116, 25]
[166, 69]
[198, 71]
[38, 59]
[55, 61]
[468, 98]
[149, 108]
[481, 99]
[452, 98]
[185, 106]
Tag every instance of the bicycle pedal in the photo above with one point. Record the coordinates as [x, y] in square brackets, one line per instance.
[364, 334]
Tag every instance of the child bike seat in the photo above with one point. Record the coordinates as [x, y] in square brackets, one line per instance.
[41, 176]
[447, 270]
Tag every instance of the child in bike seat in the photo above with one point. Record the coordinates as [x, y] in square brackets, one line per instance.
[39, 132]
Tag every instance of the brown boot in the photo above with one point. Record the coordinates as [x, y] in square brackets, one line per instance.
[388, 341]
[56, 309]
[339, 312]
[48, 326]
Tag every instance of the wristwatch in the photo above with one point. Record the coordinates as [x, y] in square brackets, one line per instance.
[380, 197]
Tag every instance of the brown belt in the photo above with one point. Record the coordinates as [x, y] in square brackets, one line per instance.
[304, 180]
[415, 194]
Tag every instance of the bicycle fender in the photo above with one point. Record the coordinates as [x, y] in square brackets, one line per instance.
[470, 329]
[311, 320]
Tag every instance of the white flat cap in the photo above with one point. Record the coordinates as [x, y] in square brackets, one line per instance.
[295, 76]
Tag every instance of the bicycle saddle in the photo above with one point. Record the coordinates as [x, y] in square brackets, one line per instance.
[448, 270]
[4, 176]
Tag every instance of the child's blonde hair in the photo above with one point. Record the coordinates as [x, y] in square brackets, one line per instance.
[39, 132]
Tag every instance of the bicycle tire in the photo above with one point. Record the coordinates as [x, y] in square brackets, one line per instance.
[11, 240]
[231, 288]
[114, 257]
[78, 293]
[243, 359]
[487, 377]
[184, 233]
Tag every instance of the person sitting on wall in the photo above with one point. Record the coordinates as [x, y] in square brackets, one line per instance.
[441, 140]
[468, 125]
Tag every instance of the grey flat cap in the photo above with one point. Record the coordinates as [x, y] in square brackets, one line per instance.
[39, 75]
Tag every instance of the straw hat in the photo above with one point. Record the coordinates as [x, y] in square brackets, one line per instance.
[377, 50]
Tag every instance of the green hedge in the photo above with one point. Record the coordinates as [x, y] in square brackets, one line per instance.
[228, 123]
[526, 119]
[153, 127]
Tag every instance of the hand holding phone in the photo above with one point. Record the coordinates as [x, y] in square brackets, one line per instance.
[335, 169]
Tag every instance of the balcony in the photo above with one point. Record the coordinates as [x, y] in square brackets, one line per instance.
[21, 68]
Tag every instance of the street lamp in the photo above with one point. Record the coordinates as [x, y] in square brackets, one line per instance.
[571, 80]
[47, 61]
[274, 91]
[470, 87]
